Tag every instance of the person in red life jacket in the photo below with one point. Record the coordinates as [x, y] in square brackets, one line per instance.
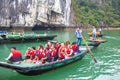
[15, 56]
[33, 53]
[57, 46]
[69, 51]
[48, 45]
[62, 51]
[75, 47]
[48, 54]
[67, 44]
[40, 56]
[53, 52]
[28, 54]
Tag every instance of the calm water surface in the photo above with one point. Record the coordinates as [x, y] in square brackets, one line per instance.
[107, 55]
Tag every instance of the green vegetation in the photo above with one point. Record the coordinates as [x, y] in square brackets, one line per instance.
[95, 12]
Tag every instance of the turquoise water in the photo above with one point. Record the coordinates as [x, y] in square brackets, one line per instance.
[107, 55]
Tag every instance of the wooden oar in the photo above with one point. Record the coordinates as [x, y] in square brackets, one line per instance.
[72, 37]
[92, 55]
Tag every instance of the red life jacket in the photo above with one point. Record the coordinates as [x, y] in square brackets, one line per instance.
[33, 52]
[29, 52]
[41, 54]
[62, 55]
[16, 53]
[57, 45]
[75, 47]
[50, 51]
[54, 52]
[68, 51]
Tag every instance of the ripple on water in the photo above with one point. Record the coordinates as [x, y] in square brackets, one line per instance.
[108, 77]
[77, 77]
[110, 37]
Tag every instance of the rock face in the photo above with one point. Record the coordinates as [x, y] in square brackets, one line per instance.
[31, 12]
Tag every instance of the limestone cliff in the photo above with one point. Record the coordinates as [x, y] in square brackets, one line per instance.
[31, 12]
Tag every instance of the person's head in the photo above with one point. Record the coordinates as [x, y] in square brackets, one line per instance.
[62, 44]
[73, 43]
[13, 48]
[93, 27]
[29, 48]
[49, 43]
[67, 43]
[78, 28]
[40, 47]
[33, 47]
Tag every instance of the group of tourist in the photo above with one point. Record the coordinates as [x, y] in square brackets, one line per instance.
[48, 53]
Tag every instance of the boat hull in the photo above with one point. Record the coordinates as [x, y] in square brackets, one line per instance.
[26, 39]
[53, 66]
[27, 69]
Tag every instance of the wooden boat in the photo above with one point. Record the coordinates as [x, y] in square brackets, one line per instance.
[26, 37]
[34, 69]
[45, 37]
[99, 40]
[13, 38]
[98, 34]
[96, 42]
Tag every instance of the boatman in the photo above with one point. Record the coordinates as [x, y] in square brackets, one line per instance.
[15, 56]
[78, 34]
[100, 30]
[94, 33]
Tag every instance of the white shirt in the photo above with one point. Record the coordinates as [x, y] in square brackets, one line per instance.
[10, 55]
[94, 31]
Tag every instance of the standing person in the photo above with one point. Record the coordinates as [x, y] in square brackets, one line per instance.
[94, 33]
[15, 56]
[100, 30]
[78, 34]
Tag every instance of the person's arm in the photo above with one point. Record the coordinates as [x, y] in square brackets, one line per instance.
[75, 32]
[80, 31]
[10, 55]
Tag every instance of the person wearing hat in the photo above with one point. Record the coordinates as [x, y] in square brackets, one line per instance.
[15, 56]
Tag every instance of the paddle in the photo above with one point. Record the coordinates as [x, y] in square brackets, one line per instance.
[92, 55]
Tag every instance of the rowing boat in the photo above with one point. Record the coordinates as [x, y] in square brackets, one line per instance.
[99, 40]
[26, 37]
[34, 69]
[97, 34]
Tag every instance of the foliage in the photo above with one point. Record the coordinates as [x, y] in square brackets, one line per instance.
[93, 12]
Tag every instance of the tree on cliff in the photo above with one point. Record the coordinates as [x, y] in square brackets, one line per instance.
[97, 12]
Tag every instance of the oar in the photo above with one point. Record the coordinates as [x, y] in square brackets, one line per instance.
[72, 37]
[89, 49]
